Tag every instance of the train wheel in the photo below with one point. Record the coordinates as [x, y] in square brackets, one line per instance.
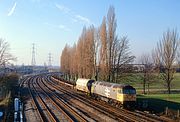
[110, 101]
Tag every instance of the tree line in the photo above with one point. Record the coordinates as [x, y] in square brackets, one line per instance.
[99, 52]
[102, 55]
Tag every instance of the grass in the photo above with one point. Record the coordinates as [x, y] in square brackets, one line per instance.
[158, 102]
[158, 99]
[136, 81]
[176, 81]
[167, 97]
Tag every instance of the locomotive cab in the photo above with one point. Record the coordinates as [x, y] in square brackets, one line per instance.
[128, 96]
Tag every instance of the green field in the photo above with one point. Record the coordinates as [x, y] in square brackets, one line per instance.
[157, 85]
[167, 97]
[159, 102]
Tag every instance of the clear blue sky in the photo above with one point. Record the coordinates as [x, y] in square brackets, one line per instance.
[50, 24]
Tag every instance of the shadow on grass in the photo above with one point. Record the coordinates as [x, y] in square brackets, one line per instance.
[156, 105]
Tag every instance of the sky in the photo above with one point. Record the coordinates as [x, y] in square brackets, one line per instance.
[50, 24]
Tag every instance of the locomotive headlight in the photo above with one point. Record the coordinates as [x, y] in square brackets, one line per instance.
[120, 98]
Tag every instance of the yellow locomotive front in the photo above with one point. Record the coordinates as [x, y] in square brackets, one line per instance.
[127, 96]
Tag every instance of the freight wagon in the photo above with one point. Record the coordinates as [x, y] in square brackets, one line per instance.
[84, 85]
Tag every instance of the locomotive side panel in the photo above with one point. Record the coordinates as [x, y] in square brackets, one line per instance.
[104, 90]
[120, 94]
[112, 92]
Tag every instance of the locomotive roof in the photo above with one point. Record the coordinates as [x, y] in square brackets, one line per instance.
[108, 84]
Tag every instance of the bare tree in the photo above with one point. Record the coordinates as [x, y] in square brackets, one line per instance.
[89, 52]
[178, 57]
[111, 37]
[148, 76]
[124, 57]
[156, 60]
[73, 62]
[81, 54]
[5, 56]
[103, 60]
[98, 51]
[65, 61]
[167, 52]
[80, 60]
[114, 52]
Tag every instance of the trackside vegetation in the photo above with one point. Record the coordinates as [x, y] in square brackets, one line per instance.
[8, 83]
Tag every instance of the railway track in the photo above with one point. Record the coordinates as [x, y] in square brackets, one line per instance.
[33, 101]
[119, 118]
[120, 113]
[41, 107]
[53, 102]
[70, 95]
[59, 104]
[76, 113]
[46, 109]
[58, 110]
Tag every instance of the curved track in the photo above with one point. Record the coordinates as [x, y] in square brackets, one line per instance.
[48, 107]
[54, 100]
[117, 112]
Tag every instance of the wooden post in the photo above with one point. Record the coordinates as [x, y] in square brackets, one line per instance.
[166, 111]
[178, 113]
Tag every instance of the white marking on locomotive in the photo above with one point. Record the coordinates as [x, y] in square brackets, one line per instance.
[107, 92]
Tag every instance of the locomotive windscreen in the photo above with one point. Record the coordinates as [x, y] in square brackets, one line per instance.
[129, 90]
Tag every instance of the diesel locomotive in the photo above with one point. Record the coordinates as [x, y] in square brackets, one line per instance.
[113, 93]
